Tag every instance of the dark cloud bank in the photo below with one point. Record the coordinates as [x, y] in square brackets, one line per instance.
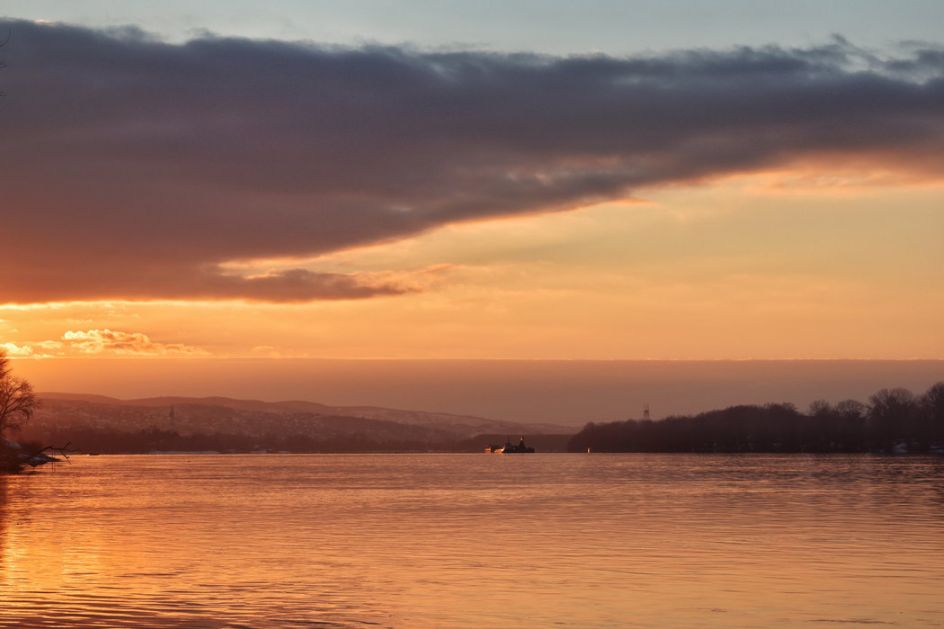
[134, 168]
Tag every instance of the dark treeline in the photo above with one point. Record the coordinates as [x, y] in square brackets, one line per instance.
[893, 420]
[103, 441]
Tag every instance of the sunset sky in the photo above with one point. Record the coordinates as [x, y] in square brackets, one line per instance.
[445, 180]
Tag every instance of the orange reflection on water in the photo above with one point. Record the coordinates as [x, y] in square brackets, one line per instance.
[475, 540]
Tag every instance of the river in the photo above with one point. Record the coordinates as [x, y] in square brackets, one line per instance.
[474, 540]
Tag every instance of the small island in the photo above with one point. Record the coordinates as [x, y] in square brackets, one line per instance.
[510, 448]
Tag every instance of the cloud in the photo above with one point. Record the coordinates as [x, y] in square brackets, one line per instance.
[99, 341]
[48, 345]
[31, 350]
[16, 351]
[123, 343]
[140, 169]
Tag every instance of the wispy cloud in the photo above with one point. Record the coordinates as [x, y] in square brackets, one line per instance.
[143, 168]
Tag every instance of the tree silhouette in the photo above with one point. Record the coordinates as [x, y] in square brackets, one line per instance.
[894, 420]
[933, 403]
[17, 401]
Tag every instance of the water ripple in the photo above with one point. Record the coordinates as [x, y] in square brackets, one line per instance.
[474, 540]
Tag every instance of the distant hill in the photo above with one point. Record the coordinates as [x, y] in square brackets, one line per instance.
[103, 424]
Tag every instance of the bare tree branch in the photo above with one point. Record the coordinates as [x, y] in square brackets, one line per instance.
[17, 401]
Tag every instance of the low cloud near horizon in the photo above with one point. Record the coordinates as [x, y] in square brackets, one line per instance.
[139, 169]
[99, 342]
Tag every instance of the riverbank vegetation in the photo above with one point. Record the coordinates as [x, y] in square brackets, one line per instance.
[892, 421]
[17, 404]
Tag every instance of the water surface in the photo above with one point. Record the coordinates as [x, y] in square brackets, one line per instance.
[474, 541]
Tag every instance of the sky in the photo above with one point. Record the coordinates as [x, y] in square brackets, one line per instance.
[518, 181]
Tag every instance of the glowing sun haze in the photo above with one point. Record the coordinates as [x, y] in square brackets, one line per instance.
[261, 194]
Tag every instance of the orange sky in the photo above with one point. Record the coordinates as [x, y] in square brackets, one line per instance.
[765, 266]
